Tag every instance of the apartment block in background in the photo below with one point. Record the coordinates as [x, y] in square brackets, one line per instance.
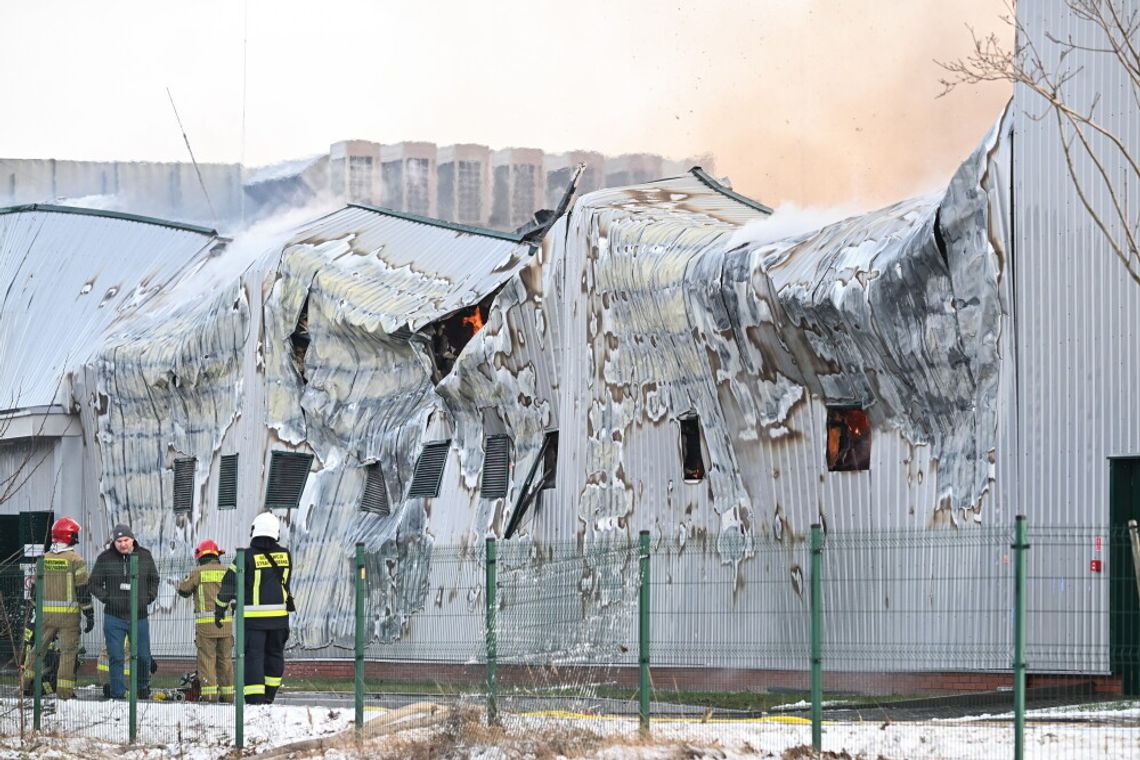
[677, 168]
[408, 175]
[517, 187]
[633, 169]
[560, 167]
[354, 171]
[464, 185]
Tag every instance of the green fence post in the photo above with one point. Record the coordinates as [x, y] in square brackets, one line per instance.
[816, 638]
[133, 710]
[40, 649]
[359, 667]
[1020, 548]
[239, 649]
[643, 632]
[492, 603]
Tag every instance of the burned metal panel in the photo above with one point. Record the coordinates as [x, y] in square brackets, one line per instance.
[666, 312]
[373, 284]
[164, 386]
[642, 306]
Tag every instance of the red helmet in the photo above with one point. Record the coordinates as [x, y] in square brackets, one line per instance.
[65, 531]
[207, 547]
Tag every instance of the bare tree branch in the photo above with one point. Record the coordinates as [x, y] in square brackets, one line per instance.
[1087, 141]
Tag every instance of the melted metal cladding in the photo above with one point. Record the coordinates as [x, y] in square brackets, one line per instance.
[642, 311]
[905, 304]
[897, 312]
[369, 394]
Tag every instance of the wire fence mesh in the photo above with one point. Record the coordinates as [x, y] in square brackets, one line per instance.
[918, 635]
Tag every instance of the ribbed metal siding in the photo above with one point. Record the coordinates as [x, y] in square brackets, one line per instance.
[1078, 311]
[99, 267]
[408, 272]
[1078, 328]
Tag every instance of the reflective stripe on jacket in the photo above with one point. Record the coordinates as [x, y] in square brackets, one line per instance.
[65, 583]
[203, 583]
[268, 569]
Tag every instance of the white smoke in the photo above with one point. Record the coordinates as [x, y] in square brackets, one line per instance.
[790, 221]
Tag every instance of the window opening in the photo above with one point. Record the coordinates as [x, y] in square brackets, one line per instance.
[530, 492]
[848, 439]
[227, 482]
[299, 339]
[375, 498]
[549, 459]
[288, 473]
[692, 460]
[496, 467]
[184, 483]
[449, 336]
[429, 470]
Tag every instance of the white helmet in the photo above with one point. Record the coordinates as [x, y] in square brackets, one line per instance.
[265, 524]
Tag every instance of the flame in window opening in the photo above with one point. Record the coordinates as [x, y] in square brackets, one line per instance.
[474, 320]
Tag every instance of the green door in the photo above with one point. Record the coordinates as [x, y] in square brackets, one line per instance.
[1124, 594]
[11, 585]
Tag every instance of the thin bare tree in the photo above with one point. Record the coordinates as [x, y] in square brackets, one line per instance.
[1099, 160]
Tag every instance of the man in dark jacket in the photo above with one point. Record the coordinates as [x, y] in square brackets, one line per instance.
[110, 583]
[268, 602]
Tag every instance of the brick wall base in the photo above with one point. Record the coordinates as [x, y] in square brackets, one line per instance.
[680, 679]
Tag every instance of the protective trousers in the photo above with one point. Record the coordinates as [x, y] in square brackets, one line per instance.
[66, 627]
[216, 667]
[264, 664]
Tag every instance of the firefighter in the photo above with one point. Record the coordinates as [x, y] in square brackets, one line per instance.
[268, 602]
[66, 598]
[215, 645]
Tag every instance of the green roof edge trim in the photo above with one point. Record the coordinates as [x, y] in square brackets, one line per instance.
[704, 177]
[454, 226]
[110, 215]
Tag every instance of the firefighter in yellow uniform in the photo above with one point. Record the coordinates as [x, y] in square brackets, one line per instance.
[66, 598]
[268, 601]
[215, 644]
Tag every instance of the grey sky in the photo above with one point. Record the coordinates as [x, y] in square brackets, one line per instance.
[815, 102]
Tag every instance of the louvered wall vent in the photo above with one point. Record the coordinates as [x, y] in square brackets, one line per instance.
[184, 484]
[227, 482]
[375, 497]
[288, 472]
[496, 467]
[429, 470]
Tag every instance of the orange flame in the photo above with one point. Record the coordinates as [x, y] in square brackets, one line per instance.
[474, 320]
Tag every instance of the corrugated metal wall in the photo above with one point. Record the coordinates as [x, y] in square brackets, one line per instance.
[1077, 322]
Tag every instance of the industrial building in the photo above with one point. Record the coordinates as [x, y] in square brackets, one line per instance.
[645, 358]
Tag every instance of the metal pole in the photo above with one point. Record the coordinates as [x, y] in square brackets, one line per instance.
[39, 649]
[817, 638]
[239, 649]
[359, 668]
[492, 603]
[643, 632]
[133, 710]
[1134, 540]
[1020, 548]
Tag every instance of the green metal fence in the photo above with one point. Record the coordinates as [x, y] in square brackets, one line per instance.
[1009, 641]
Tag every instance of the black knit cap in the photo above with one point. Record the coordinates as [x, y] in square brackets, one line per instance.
[121, 531]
